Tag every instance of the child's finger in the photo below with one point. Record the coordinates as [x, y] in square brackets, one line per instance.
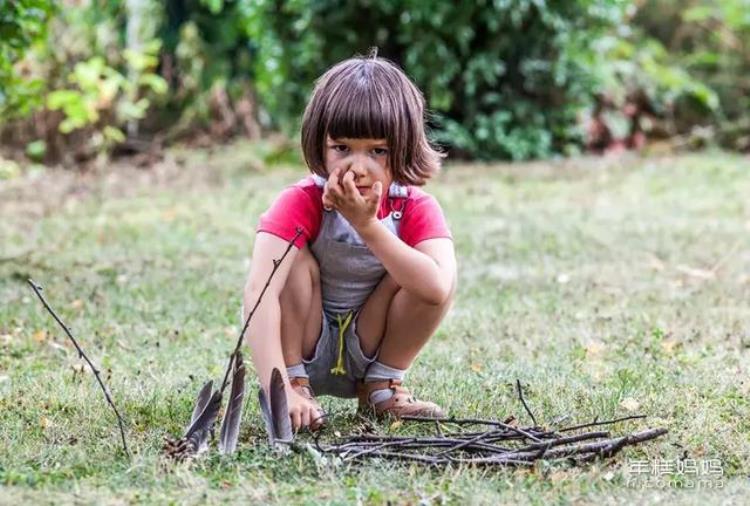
[348, 183]
[296, 419]
[377, 190]
[333, 183]
[305, 418]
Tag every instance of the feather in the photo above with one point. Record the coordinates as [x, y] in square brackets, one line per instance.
[230, 425]
[200, 402]
[265, 412]
[274, 410]
[198, 432]
[279, 411]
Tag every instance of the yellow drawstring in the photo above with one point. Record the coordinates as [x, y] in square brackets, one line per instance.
[340, 370]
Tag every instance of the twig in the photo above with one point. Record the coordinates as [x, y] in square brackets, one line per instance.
[373, 449]
[37, 290]
[276, 264]
[472, 421]
[523, 401]
[566, 440]
[606, 422]
[438, 429]
[468, 442]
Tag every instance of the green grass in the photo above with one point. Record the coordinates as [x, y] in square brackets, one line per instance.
[599, 284]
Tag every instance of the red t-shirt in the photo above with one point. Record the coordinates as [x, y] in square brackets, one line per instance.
[301, 205]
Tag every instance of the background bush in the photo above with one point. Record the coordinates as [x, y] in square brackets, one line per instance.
[504, 79]
[710, 41]
[22, 22]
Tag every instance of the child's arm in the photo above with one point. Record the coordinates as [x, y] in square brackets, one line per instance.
[264, 331]
[428, 270]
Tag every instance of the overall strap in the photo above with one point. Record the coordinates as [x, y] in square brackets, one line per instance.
[320, 181]
[397, 194]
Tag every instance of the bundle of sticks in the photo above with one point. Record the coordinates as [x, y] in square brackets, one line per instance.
[497, 443]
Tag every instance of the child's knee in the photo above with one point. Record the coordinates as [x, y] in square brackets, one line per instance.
[304, 278]
[305, 267]
[310, 265]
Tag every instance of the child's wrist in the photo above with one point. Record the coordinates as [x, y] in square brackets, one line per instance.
[365, 228]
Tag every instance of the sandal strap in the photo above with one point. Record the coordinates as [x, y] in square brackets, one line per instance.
[365, 389]
[302, 386]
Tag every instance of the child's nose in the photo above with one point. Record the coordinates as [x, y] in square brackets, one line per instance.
[358, 167]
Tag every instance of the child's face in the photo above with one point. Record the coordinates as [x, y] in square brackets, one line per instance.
[366, 158]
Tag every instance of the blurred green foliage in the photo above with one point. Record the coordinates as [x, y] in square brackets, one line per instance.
[504, 79]
[22, 23]
[710, 41]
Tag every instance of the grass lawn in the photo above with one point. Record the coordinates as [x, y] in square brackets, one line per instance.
[607, 287]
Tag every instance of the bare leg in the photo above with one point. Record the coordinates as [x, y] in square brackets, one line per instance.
[398, 323]
[301, 309]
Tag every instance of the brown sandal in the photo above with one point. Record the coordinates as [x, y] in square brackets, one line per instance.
[401, 403]
[302, 387]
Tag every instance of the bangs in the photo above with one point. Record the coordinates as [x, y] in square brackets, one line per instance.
[359, 109]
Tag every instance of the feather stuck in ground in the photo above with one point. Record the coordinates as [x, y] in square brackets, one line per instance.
[275, 412]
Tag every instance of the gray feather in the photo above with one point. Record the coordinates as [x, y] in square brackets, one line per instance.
[274, 410]
[200, 402]
[265, 412]
[198, 432]
[279, 411]
[230, 425]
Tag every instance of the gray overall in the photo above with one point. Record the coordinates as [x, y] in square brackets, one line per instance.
[349, 272]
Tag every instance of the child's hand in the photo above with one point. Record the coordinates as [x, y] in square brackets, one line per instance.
[342, 194]
[302, 412]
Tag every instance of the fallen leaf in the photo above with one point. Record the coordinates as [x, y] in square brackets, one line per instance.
[476, 367]
[395, 425]
[594, 349]
[44, 422]
[76, 304]
[557, 476]
[655, 263]
[124, 346]
[630, 404]
[168, 215]
[703, 274]
[669, 345]
[40, 336]
[56, 346]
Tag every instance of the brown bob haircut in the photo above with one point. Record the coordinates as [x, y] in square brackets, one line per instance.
[367, 97]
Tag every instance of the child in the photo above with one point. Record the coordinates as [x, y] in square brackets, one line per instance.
[373, 272]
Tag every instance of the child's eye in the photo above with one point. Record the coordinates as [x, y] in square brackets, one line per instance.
[341, 148]
[380, 151]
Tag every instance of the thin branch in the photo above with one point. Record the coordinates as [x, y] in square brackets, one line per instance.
[472, 421]
[468, 442]
[523, 401]
[38, 291]
[276, 264]
[605, 422]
